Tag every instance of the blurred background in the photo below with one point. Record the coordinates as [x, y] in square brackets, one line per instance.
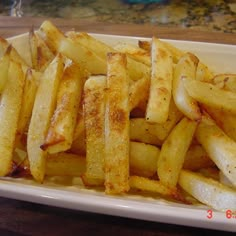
[213, 15]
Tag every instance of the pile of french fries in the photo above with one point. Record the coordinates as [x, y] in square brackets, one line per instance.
[147, 117]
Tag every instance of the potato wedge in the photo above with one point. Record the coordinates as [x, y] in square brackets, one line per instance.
[61, 130]
[94, 117]
[217, 196]
[10, 105]
[185, 69]
[160, 84]
[173, 151]
[44, 106]
[220, 148]
[117, 125]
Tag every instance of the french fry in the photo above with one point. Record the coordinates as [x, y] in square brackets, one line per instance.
[65, 164]
[10, 105]
[208, 191]
[29, 93]
[79, 128]
[139, 92]
[61, 130]
[14, 55]
[203, 73]
[136, 70]
[173, 151]
[145, 45]
[94, 116]
[44, 106]
[145, 184]
[185, 68]
[197, 158]
[83, 56]
[134, 52]
[220, 148]
[143, 158]
[175, 52]
[225, 120]
[117, 125]
[161, 83]
[4, 67]
[211, 95]
[79, 144]
[41, 55]
[153, 133]
[225, 81]
[51, 35]
[141, 131]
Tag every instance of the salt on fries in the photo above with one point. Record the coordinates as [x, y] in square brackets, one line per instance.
[147, 117]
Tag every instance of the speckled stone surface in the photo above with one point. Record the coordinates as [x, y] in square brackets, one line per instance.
[210, 15]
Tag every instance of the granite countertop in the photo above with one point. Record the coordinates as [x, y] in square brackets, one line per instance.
[209, 15]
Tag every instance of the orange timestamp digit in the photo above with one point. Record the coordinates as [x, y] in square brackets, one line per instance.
[209, 214]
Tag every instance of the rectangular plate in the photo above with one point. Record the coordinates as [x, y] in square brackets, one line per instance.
[73, 195]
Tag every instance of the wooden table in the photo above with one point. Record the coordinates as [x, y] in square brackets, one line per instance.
[23, 218]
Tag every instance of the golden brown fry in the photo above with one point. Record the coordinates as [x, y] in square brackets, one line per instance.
[203, 73]
[145, 184]
[41, 55]
[225, 81]
[117, 125]
[136, 70]
[44, 106]
[225, 120]
[143, 131]
[65, 164]
[185, 69]
[211, 95]
[94, 116]
[160, 84]
[173, 152]
[61, 131]
[11, 99]
[134, 52]
[220, 148]
[143, 158]
[139, 92]
[14, 55]
[145, 45]
[30, 89]
[197, 158]
[4, 67]
[51, 35]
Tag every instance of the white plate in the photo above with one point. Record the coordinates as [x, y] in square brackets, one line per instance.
[219, 57]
